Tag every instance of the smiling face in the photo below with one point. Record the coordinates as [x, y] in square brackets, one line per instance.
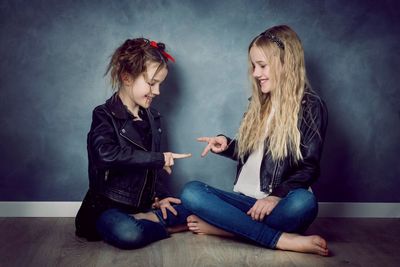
[140, 92]
[261, 69]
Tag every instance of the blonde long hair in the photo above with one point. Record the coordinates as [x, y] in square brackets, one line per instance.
[285, 55]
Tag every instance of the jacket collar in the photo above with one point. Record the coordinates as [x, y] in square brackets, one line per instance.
[118, 109]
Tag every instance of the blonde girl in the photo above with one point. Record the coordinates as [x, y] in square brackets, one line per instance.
[278, 149]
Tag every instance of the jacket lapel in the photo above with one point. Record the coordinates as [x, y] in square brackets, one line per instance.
[155, 130]
[129, 132]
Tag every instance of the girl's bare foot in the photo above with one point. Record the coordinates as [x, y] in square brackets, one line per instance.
[198, 226]
[309, 244]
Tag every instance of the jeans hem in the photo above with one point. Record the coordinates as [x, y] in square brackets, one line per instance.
[275, 240]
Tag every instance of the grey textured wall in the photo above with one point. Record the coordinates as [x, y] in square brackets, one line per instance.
[54, 54]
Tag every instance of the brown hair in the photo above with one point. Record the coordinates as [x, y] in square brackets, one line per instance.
[132, 56]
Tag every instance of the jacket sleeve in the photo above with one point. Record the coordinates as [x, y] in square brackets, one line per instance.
[306, 171]
[107, 152]
[162, 190]
[230, 152]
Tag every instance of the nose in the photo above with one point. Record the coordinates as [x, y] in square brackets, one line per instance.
[155, 89]
[256, 72]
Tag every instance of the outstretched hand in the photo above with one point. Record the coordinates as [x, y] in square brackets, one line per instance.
[169, 158]
[216, 144]
[165, 204]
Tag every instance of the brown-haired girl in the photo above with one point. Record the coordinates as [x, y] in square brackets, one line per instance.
[125, 162]
[278, 149]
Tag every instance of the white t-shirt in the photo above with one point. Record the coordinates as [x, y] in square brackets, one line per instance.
[248, 182]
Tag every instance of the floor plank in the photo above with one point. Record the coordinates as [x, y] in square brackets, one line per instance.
[51, 242]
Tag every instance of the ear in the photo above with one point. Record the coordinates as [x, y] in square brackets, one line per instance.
[126, 79]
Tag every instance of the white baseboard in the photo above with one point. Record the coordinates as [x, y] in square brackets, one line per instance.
[359, 210]
[326, 209]
[39, 209]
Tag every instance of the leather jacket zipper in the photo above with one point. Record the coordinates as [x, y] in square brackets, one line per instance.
[147, 171]
[127, 138]
[106, 175]
[141, 191]
[273, 178]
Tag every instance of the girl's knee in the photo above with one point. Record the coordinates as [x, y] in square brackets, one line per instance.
[120, 231]
[303, 202]
[129, 238]
[192, 194]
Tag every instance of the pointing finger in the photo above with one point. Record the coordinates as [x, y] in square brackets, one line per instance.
[181, 156]
[203, 139]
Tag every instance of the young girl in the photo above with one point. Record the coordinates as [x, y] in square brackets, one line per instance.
[125, 162]
[278, 148]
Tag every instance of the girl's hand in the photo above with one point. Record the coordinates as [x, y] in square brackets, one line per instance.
[263, 207]
[216, 144]
[165, 204]
[169, 159]
[167, 169]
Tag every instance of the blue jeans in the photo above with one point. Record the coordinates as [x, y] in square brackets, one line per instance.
[227, 211]
[122, 230]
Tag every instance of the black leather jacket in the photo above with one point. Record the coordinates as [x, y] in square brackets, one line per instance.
[119, 164]
[277, 178]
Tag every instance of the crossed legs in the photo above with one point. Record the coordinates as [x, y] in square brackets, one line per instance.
[222, 213]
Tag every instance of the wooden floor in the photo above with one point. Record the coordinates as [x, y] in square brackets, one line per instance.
[51, 242]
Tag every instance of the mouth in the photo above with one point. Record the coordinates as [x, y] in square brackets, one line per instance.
[149, 98]
[263, 81]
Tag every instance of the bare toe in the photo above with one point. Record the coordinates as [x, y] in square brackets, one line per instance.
[319, 241]
[192, 218]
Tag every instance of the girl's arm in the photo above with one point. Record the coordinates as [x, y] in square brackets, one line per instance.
[106, 151]
[219, 144]
[161, 190]
[304, 174]
[229, 152]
